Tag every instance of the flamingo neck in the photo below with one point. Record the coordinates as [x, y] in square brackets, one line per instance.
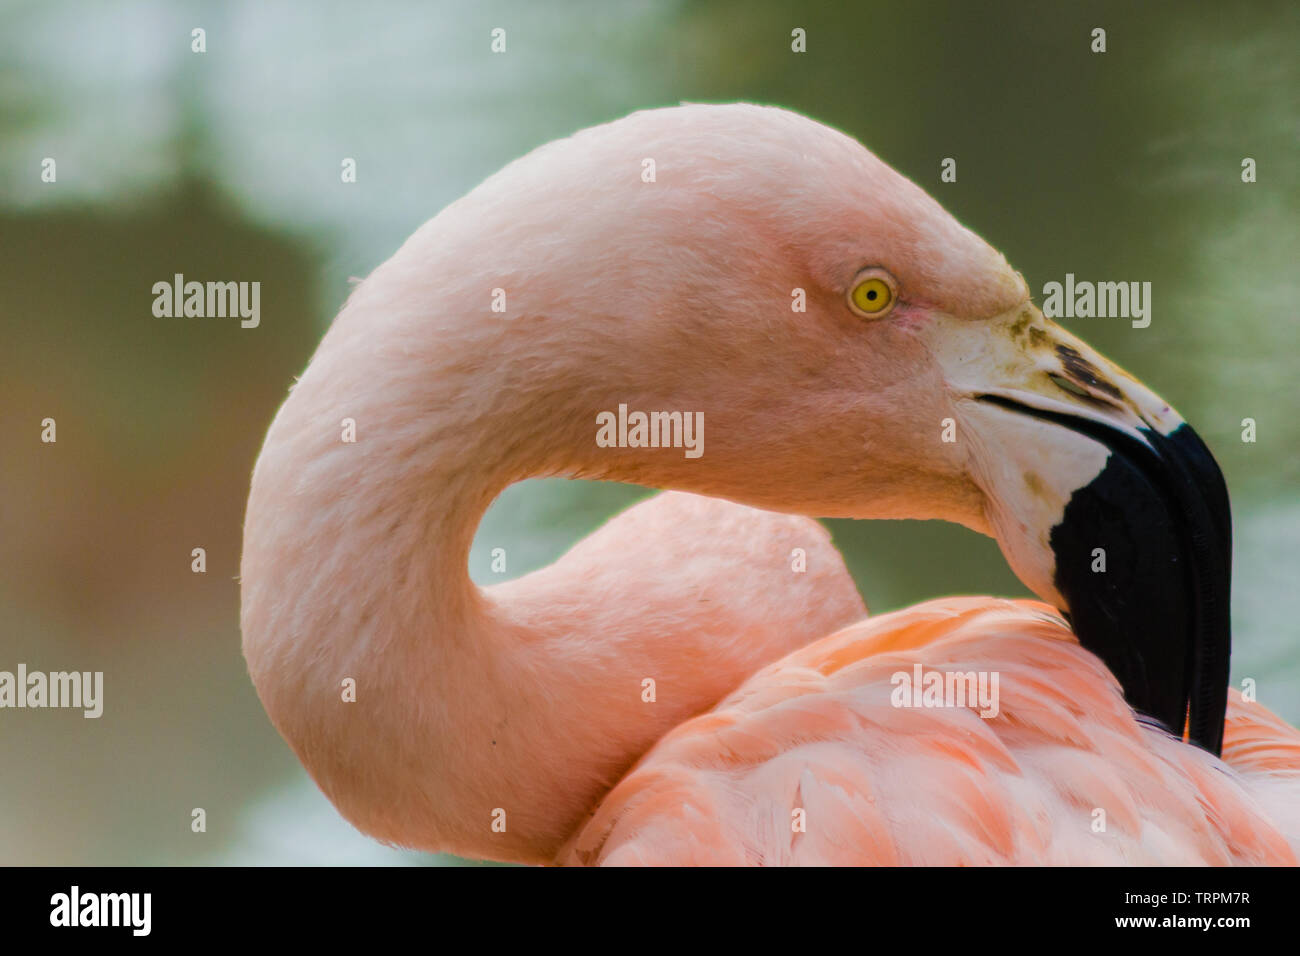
[435, 714]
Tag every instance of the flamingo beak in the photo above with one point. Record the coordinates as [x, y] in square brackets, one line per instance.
[1137, 527]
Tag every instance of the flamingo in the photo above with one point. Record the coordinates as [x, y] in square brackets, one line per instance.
[677, 689]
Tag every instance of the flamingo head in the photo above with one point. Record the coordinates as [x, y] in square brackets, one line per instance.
[855, 351]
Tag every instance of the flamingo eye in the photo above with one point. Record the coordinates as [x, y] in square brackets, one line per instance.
[873, 293]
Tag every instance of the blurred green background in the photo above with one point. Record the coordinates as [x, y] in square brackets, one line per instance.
[1120, 166]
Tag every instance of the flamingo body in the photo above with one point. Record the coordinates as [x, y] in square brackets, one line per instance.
[1064, 774]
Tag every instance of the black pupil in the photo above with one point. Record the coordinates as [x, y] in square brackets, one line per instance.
[871, 294]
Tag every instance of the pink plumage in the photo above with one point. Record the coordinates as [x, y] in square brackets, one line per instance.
[666, 692]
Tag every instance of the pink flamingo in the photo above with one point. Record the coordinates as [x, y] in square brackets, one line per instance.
[666, 691]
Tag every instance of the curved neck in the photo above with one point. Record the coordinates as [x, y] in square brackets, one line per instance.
[485, 722]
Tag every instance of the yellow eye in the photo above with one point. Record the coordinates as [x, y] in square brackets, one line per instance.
[872, 295]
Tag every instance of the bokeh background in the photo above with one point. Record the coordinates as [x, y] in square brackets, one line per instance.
[1121, 166]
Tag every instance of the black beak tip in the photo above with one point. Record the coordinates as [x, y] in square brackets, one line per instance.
[1143, 559]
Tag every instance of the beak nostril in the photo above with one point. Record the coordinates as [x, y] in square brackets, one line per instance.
[1069, 386]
